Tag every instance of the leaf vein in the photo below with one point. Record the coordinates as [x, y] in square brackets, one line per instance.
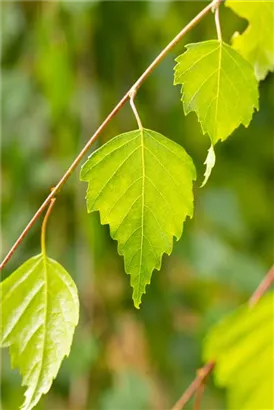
[113, 175]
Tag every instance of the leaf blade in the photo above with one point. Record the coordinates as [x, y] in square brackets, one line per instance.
[220, 86]
[234, 344]
[34, 324]
[256, 43]
[209, 163]
[213, 76]
[124, 177]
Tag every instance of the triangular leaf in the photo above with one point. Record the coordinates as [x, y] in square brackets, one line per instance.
[141, 182]
[39, 312]
[219, 85]
[256, 43]
[242, 346]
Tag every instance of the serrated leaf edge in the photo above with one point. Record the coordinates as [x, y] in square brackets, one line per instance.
[190, 214]
[29, 402]
[186, 108]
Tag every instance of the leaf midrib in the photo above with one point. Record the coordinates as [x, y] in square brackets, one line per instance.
[44, 258]
[218, 90]
[142, 206]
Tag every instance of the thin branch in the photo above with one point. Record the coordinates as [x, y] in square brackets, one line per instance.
[265, 284]
[44, 226]
[126, 97]
[63, 180]
[198, 396]
[194, 386]
[174, 42]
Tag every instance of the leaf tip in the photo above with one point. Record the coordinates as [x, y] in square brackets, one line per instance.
[137, 304]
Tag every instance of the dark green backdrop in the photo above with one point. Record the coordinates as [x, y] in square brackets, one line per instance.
[64, 66]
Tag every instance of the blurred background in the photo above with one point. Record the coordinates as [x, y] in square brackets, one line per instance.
[64, 66]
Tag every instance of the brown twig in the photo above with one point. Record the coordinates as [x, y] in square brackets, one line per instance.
[194, 386]
[198, 396]
[126, 97]
[265, 284]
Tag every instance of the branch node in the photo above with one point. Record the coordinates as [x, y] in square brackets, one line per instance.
[202, 374]
[215, 5]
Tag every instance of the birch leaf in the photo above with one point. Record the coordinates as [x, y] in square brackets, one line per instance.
[256, 43]
[242, 346]
[209, 163]
[219, 85]
[39, 312]
[141, 182]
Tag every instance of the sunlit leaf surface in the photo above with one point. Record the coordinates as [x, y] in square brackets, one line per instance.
[243, 347]
[256, 43]
[219, 85]
[141, 182]
[39, 312]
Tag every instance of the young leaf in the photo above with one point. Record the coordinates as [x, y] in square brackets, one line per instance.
[209, 163]
[219, 85]
[141, 182]
[242, 346]
[256, 43]
[39, 311]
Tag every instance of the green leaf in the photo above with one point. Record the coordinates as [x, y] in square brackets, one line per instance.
[242, 346]
[141, 182]
[256, 43]
[209, 163]
[39, 311]
[219, 85]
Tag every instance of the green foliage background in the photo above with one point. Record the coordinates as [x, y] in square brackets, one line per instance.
[64, 66]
